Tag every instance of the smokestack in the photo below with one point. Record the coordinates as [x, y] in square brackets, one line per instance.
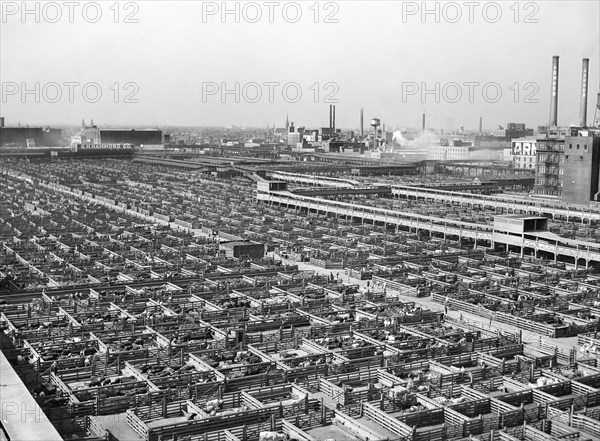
[362, 127]
[330, 118]
[1, 121]
[423, 124]
[584, 91]
[554, 96]
[597, 124]
[597, 113]
[333, 121]
[481, 124]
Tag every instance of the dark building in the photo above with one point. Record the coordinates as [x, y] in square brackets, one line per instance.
[339, 146]
[503, 136]
[136, 137]
[517, 130]
[549, 166]
[19, 136]
[250, 250]
[581, 168]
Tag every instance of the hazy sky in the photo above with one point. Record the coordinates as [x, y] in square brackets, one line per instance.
[378, 55]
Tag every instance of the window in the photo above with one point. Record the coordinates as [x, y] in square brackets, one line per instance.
[567, 156]
[577, 146]
[570, 146]
[561, 171]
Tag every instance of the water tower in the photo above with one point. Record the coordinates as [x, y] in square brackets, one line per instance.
[375, 123]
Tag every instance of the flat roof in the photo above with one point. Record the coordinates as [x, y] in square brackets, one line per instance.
[518, 217]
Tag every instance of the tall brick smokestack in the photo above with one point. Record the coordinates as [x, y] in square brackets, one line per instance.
[333, 120]
[584, 92]
[362, 125]
[554, 95]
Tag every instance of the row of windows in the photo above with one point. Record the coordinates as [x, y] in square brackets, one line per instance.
[543, 157]
[584, 147]
[548, 191]
[551, 170]
[549, 182]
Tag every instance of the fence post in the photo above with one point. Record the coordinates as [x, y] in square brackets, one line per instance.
[323, 412]
[571, 412]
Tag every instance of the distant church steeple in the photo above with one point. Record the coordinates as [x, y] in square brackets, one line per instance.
[83, 123]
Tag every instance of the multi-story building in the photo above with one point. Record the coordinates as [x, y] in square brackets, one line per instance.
[550, 157]
[523, 153]
[448, 152]
[582, 168]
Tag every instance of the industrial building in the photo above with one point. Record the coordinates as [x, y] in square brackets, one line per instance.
[92, 136]
[21, 137]
[581, 168]
[567, 163]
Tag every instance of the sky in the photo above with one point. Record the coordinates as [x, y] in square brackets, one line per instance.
[191, 63]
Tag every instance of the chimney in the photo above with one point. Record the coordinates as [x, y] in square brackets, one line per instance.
[554, 95]
[330, 119]
[584, 91]
[362, 129]
[1, 121]
[423, 124]
[333, 120]
[481, 124]
[597, 113]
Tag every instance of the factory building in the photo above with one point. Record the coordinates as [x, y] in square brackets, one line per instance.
[136, 137]
[93, 136]
[581, 168]
[457, 152]
[567, 157]
[29, 136]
